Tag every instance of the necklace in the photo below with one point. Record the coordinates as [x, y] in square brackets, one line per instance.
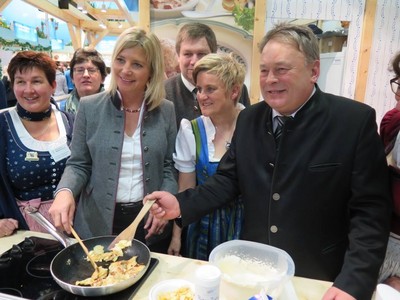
[42, 132]
[131, 110]
[227, 142]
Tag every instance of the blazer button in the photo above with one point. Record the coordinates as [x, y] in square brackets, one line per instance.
[276, 196]
[271, 165]
[144, 133]
[145, 149]
[147, 179]
[146, 164]
[274, 229]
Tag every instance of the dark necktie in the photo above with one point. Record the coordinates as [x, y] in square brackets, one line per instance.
[195, 103]
[278, 131]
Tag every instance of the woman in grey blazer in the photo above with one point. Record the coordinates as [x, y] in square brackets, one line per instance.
[122, 146]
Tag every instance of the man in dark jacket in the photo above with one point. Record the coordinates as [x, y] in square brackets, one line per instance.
[320, 191]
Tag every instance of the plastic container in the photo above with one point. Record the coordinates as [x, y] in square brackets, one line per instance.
[207, 282]
[248, 267]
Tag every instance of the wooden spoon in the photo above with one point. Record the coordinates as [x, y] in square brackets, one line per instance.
[96, 268]
[129, 232]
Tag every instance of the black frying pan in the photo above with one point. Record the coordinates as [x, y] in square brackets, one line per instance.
[70, 264]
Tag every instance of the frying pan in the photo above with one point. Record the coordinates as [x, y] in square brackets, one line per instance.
[70, 264]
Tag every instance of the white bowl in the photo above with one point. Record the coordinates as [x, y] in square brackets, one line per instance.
[168, 286]
[247, 267]
[159, 14]
[386, 292]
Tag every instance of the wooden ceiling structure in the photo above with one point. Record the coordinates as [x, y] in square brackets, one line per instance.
[91, 23]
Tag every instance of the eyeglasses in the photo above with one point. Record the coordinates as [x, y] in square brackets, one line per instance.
[81, 71]
[395, 85]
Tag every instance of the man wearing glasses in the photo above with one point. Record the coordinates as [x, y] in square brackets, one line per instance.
[389, 129]
[88, 72]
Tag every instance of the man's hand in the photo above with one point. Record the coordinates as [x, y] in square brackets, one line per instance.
[166, 206]
[333, 293]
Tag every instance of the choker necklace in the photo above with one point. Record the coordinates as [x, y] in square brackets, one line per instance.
[33, 116]
[131, 110]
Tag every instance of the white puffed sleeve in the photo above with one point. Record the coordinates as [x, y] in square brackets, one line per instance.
[185, 148]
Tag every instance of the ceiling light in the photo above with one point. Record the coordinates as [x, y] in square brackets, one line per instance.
[119, 25]
[103, 8]
[84, 11]
[102, 25]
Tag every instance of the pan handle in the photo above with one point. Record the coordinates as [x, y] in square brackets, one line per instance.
[39, 218]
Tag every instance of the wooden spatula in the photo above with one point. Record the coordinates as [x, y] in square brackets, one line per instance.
[129, 232]
[85, 249]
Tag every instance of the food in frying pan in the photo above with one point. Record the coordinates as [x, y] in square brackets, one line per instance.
[117, 271]
[98, 254]
[183, 293]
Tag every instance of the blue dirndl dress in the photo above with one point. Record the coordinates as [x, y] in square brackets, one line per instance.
[223, 224]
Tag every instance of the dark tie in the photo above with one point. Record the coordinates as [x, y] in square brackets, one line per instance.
[195, 103]
[278, 131]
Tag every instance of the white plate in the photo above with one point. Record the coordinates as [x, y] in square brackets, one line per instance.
[169, 286]
[159, 14]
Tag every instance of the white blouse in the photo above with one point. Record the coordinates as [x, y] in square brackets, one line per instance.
[130, 182]
[185, 145]
[38, 145]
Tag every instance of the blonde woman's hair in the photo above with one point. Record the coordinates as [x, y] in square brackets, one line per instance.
[137, 37]
[225, 67]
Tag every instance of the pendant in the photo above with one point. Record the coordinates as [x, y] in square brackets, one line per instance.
[31, 156]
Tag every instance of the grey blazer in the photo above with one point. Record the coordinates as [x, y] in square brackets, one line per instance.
[92, 171]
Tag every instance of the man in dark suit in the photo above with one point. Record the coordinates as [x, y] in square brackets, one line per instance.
[194, 41]
[321, 190]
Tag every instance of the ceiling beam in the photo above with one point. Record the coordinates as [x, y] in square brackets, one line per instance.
[95, 39]
[122, 6]
[76, 35]
[114, 14]
[66, 15]
[4, 4]
[80, 24]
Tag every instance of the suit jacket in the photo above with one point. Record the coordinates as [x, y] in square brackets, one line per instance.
[92, 171]
[323, 197]
[185, 104]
